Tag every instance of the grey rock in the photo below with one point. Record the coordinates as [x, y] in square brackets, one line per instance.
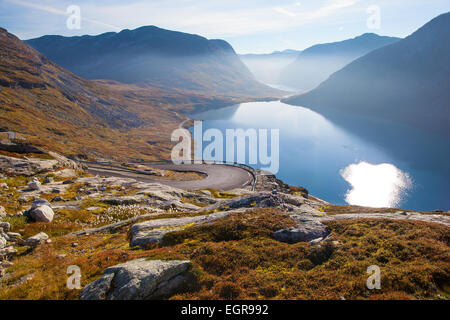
[13, 235]
[48, 180]
[57, 198]
[5, 226]
[40, 202]
[34, 185]
[36, 240]
[7, 252]
[307, 231]
[206, 192]
[125, 200]
[149, 232]
[30, 167]
[316, 241]
[139, 279]
[41, 214]
[2, 242]
[4, 235]
[2, 212]
[3, 185]
[410, 216]
[258, 200]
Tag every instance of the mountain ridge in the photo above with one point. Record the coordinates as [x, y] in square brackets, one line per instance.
[169, 59]
[401, 82]
[316, 63]
[54, 108]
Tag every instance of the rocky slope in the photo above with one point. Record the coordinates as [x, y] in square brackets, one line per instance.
[156, 57]
[137, 240]
[54, 108]
[405, 82]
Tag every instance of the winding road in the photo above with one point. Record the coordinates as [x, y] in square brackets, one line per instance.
[218, 176]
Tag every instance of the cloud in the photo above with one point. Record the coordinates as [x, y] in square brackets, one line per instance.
[214, 19]
[284, 11]
[56, 11]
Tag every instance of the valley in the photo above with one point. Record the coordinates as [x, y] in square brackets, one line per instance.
[301, 172]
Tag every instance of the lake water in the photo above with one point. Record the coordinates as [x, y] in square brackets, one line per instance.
[393, 166]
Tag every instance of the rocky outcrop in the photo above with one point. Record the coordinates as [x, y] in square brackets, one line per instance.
[32, 166]
[307, 231]
[5, 226]
[409, 216]
[36, 240]
[7, 252]
[149, 232]
[20, 147]
[139, 279]
[257, 200]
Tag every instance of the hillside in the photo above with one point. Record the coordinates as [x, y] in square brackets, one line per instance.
[404, 82]
[318, 62]
[267, 67]
[157, 57]
[54, 108]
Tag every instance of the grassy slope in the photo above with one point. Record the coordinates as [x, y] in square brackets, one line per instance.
[62, 112]
[236, 258]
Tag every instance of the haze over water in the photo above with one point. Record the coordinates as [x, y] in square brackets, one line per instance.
[339, 166]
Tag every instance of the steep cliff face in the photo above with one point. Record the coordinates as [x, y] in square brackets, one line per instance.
[166, 59]
[404, 82]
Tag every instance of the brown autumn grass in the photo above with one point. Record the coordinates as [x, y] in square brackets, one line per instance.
[237, 258]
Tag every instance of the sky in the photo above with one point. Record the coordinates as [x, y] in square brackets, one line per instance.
[250, 26]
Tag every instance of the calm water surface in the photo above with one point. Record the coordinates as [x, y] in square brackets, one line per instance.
[401, 166]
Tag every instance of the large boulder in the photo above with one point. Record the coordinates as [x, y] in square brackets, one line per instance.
[36, 240]
[139, 279]
[41, 211]
[307, 231]
[42, 214]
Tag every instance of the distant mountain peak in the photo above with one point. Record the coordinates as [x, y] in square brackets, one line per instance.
[315, 64]
[149, 54]
[406, 81]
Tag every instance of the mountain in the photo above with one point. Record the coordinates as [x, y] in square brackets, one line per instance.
[58, 110]
[267, 67]
[317, 63]
[405, 82]
[156, 57]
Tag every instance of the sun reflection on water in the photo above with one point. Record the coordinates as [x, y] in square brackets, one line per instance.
[381, 185]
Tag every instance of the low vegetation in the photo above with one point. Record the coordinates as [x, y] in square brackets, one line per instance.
[237, 258]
